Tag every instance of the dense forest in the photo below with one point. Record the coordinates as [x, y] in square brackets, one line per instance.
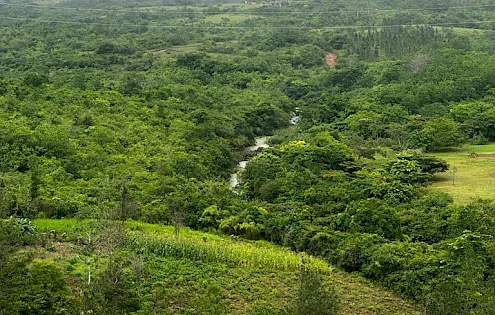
[115, 111]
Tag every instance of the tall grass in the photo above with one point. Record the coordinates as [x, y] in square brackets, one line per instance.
[234, 252]
[197, 246]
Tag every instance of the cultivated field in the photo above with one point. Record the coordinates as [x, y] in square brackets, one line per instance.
[239, 277]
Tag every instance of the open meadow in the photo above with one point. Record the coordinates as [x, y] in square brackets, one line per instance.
[471, 174]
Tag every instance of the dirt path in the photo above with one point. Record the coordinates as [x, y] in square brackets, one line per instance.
[330, 59]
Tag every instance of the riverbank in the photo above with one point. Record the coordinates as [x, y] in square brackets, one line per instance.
[260, 143]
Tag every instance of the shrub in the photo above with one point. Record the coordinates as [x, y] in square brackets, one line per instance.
[315, 298]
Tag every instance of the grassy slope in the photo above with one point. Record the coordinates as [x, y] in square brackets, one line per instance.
[474, 175]
[237, 277]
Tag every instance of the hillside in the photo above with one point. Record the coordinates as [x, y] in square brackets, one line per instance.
[197, 273]
[122, 111]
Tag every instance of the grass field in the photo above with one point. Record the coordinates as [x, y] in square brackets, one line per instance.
[471, 176]
[177, 50]
[200, 269]
[174, 51]
[462, 30]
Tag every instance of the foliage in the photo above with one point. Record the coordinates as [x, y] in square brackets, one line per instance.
[13, 234]
[314, 297]
[257, 278]
[142, 112]
[29, 285]
[441, 133]
[114, 291]
[413, 168]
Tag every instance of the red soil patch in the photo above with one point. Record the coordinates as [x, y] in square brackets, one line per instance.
[330, 59]
[486, 156]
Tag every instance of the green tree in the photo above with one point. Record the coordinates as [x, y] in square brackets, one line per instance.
[442, 133]
[413, 168]
[114, 291]
[476, 119]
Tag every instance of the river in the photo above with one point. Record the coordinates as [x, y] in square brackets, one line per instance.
[260, 142]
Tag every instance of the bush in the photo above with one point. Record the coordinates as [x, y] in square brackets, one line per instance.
[315, 298]
[35, 288]
[14, 233]
[356, 251]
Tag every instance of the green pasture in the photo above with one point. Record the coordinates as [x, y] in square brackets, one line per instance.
[174, 51]
[471, 174]
[462, 30]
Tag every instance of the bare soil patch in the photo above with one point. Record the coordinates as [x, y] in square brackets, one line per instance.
[486, 156]
[331, 58]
